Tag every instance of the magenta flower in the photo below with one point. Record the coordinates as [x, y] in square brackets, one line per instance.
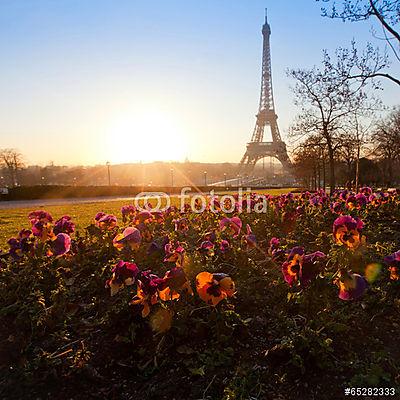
[224, 246]
[128, 213]
[174, 253]
[347, 231]
[351, 286]
[232, 225]
[250, 238]
[130, 236]
[106, 221]
[207, 248]
[40, 215]
[366, 190]
[61, 244]
[291, 267]
[158, 216]
[337, 207]
[300, 267]
[123, 274]
[356, 202]
[64, 225]
[98, 216]
[174, 282]
[393, 261]
[147, 293]
[144, 217]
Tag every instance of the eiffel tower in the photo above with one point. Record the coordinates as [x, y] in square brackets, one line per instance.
[266, 117]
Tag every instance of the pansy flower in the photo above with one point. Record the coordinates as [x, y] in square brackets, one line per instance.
[181, 225]
[105, 222]
[337, 207]
[145, 231]
[366, 190]
[175, 281]
[174, 253]
[277, 254]
[210, 236]
[23, 244]
[61, 244]
[123, 274]
[351, 286]
[356, 202]
[157, 246]
[232, 225]
[158, 217]
[393, 261]
[147, 292]
[143, 217]
[130, 236]
[224, 246]
[128, 213]
[300, 267]
[39, 215]
[42, 229]
[347, 232]
[64, 225]
[291, 267]
[207, 248]
[249, 239]
[213, 288]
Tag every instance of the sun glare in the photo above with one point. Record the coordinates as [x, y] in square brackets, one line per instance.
[145, 136]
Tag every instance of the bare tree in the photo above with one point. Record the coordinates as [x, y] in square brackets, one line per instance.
[387, 14]
[386, 140]
[328, 100]
[12, 161]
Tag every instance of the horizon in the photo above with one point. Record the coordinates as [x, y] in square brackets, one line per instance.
[87, 83]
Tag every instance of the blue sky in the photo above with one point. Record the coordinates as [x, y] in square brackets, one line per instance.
[83, 82]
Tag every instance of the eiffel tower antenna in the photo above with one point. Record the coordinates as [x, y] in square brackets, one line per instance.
[257, 148]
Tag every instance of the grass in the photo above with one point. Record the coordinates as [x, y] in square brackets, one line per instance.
[12, 220]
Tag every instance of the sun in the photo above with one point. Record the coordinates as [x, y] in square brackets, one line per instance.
[145, 136]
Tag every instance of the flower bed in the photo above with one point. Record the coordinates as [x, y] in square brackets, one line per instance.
[283, 296]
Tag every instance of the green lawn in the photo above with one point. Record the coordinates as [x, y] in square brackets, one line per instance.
[12, 220]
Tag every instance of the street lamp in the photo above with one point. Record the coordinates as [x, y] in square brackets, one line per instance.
[172, 177]
[205, 178]
[225, 179]
[108, 172]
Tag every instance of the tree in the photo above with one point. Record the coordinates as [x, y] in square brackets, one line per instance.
[387, 14]
[386, 140]
[309, 162]
[12, 160]
[328, 100]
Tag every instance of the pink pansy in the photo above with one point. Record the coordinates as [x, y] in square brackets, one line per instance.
[351, 286]
[250, 239]
[232, 225]
[144, 217]
[61, 244]
[174, 254]
[105, 221]
[40, 215]
[123, 274]
[207, 248]
[224, 246]
[130, 236]
[64, 225]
